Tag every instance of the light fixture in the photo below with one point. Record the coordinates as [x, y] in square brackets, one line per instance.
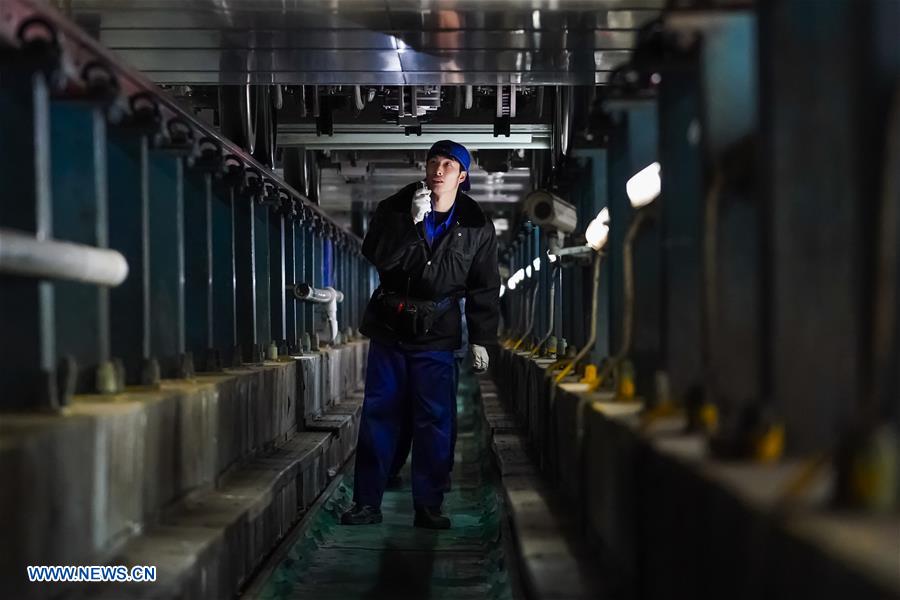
[551, 256]
[528, 271]
[598, 230]
[516, 279]
[502, 290]
[644, 186]
[536, 264]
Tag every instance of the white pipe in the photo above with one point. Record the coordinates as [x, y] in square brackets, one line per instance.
[23, 254]
[357, 97]
[468, 102]
[328, 296]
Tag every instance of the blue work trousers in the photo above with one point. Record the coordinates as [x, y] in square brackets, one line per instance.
[395, 379]
[404, 443]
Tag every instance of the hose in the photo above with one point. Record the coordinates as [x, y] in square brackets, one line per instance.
[546, 336]
[628, 314]
[595, 302]
[529, 323]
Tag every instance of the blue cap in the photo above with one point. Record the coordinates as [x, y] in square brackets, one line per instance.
[457, 152]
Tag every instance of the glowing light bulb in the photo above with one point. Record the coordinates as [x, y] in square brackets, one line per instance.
[644, 186]
[598, 230]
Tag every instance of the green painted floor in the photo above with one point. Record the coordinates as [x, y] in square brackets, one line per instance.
[394, 559]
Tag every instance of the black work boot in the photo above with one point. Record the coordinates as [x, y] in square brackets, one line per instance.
[431, 518]
[394, 482]
[361, 515]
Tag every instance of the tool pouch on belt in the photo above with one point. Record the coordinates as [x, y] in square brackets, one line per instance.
[409, 317]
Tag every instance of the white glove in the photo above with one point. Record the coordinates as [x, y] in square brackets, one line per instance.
[421, 204]
[479, 358]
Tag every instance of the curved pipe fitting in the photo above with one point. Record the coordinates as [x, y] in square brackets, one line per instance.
[327, 296]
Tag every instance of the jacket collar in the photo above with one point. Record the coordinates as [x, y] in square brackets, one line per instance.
[468, 213]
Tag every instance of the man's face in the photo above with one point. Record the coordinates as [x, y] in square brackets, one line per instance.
[443, 174]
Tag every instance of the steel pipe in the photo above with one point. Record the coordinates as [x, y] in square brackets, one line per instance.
[23, 254]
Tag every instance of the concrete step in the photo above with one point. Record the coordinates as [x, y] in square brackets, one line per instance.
[212, 541]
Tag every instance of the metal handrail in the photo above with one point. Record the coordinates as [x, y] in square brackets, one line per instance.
[79, 50]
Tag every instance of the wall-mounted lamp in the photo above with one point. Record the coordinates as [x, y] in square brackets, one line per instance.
[644, 186]
[598, 230]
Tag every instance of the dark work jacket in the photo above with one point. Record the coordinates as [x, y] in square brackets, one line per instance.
[462, 264]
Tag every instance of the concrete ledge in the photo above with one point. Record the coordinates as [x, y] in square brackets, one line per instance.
[670, 521]
[200, 477]
[552, 564]
[213, 541]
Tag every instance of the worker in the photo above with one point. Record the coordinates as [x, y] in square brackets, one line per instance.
[432, 245]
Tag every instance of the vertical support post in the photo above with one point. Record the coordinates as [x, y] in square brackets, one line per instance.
[358, 289]
[198, 267]
[682, 208]
[277, 281]
[635, 147]
[734, 270]
[311, 258]
[26, 305]
[290, 276]
[327, 261]
[827, 84]
[222, 215]
[318, 267]
[167, 307]
[128, 169]
[261, 255]
[336, 274]
[620, 169]
[597, 197]
[245, 274]
[345, 284]
[302, 247]
[78, 159]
